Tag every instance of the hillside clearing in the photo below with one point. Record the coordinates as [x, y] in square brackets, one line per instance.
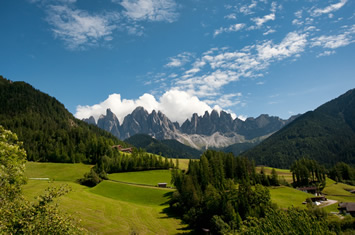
[143, 177]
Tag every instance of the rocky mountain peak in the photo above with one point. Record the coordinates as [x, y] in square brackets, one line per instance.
[210, 125]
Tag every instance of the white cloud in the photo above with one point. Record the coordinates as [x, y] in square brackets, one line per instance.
[335, 41]
[217, 68]
[179, 60]
[176, 105]
[78, 28]
[298, 14]
[226, 100]
[326, 53]
[270, 31]
[247, 9]
[232, 28]
[232, 16]
[293, 43]
[329, 9]
[153, 10]
[260, 21]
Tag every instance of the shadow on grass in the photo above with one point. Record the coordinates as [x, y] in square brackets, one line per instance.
[167, 212]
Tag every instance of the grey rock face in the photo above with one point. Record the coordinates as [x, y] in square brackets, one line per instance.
[197, 132]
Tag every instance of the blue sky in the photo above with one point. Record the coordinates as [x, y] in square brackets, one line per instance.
[180, 57]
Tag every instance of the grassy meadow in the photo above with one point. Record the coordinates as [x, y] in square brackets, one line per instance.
[282, 173]
[143, 177]
[108, 208]
[128, 207]
[286, 197]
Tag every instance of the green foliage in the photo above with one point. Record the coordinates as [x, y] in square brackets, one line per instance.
[17, 215]
[12, 165]
[342, 172]
[137, 161]
[216, 192]
[326, 135]
[90, 179]
[167, 148]
[308, 172]
[48, 131]
[291, 221]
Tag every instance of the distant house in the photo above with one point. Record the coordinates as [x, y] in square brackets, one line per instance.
[318, 200]
[347, 208]
[312, 190]
[119, 147]
[162, 185]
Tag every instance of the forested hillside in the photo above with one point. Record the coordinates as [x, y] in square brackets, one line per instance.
[49, 132]
[326, 134]
[167, 148]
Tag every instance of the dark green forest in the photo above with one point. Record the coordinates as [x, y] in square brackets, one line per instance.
[47, 129]
[222, 194]
[326, 135]
[167, 148]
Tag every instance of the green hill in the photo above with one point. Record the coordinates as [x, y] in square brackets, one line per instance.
[108, 208]
[48, 130]
[326, 134]
[166, 148]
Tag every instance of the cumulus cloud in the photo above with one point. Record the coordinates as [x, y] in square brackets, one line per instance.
[176, 105]
[78, 28]
[153, 10]
[329, 9]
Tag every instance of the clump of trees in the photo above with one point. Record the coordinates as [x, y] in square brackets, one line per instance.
[307, 172]
[224, 194]
[342, 172]
[219, 192]
[18, 215]
[139, 160]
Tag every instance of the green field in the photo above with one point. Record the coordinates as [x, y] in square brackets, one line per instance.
[56, 171]
[285, 173]
[143, 177]
[133, 194]
[286, 197]
[110, 207]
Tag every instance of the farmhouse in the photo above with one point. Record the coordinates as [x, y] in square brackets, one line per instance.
[318, 200]
[347, 208]
[312, 190]
[162, 185]
[119, 148]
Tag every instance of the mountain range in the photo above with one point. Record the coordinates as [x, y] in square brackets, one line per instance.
[212, 130]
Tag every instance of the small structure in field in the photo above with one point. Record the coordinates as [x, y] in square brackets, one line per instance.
[318, 200]
[162, 185]
[125, 150]
[312, 190]
[347, 208]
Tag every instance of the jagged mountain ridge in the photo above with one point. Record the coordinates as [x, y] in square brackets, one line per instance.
[201, 132]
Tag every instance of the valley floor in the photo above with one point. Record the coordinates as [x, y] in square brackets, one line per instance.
[131, 203]
[110, 207]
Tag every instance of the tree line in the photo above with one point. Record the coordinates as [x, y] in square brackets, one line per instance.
[224, 194]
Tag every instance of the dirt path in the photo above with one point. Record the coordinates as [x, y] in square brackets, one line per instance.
[141, 185]
[327, 203]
